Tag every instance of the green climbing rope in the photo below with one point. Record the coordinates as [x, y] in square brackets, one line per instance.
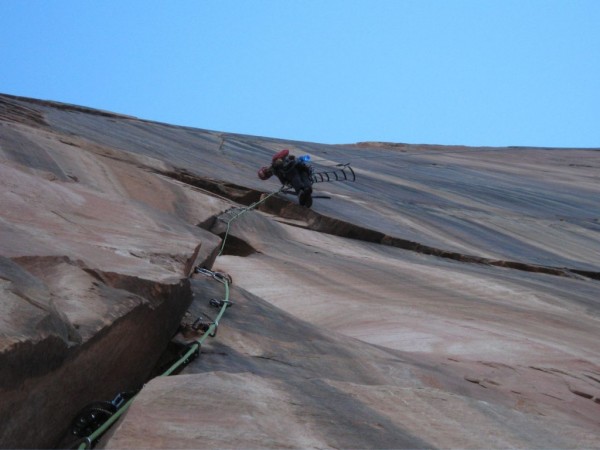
[243, 211]
[195, 347]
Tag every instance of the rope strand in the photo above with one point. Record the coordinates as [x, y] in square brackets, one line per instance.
[243, 211]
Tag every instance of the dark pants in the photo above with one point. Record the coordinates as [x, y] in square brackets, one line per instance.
[300, 181]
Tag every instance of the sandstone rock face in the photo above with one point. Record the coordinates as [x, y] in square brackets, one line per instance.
[448, 298]
[95, 258]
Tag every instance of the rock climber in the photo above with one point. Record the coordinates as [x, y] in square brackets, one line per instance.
[291, 171]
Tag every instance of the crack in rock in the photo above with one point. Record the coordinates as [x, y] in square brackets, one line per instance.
[330, 225]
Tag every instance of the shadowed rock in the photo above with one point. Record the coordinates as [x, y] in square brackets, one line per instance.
[447, 298]
[96, 251]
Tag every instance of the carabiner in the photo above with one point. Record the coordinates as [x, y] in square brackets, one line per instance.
[222, 277]
[216, 303]
[204, 271]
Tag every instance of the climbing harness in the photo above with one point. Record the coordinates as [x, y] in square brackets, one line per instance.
[94, 420]
[343, 173]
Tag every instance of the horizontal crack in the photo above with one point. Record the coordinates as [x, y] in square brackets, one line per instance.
[230, 191]
[329, 225]
[271, 358]
[336, 227]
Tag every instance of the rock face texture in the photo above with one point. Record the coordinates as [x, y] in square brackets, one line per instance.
[449, 298]
[95, 255]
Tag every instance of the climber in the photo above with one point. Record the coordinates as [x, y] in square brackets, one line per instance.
[291, 171]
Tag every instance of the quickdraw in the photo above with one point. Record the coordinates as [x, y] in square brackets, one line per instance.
[219, 276]
[201, 325]
[94, 420]
[215, 303]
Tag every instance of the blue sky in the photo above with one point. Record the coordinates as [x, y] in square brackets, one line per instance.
[480, 72]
